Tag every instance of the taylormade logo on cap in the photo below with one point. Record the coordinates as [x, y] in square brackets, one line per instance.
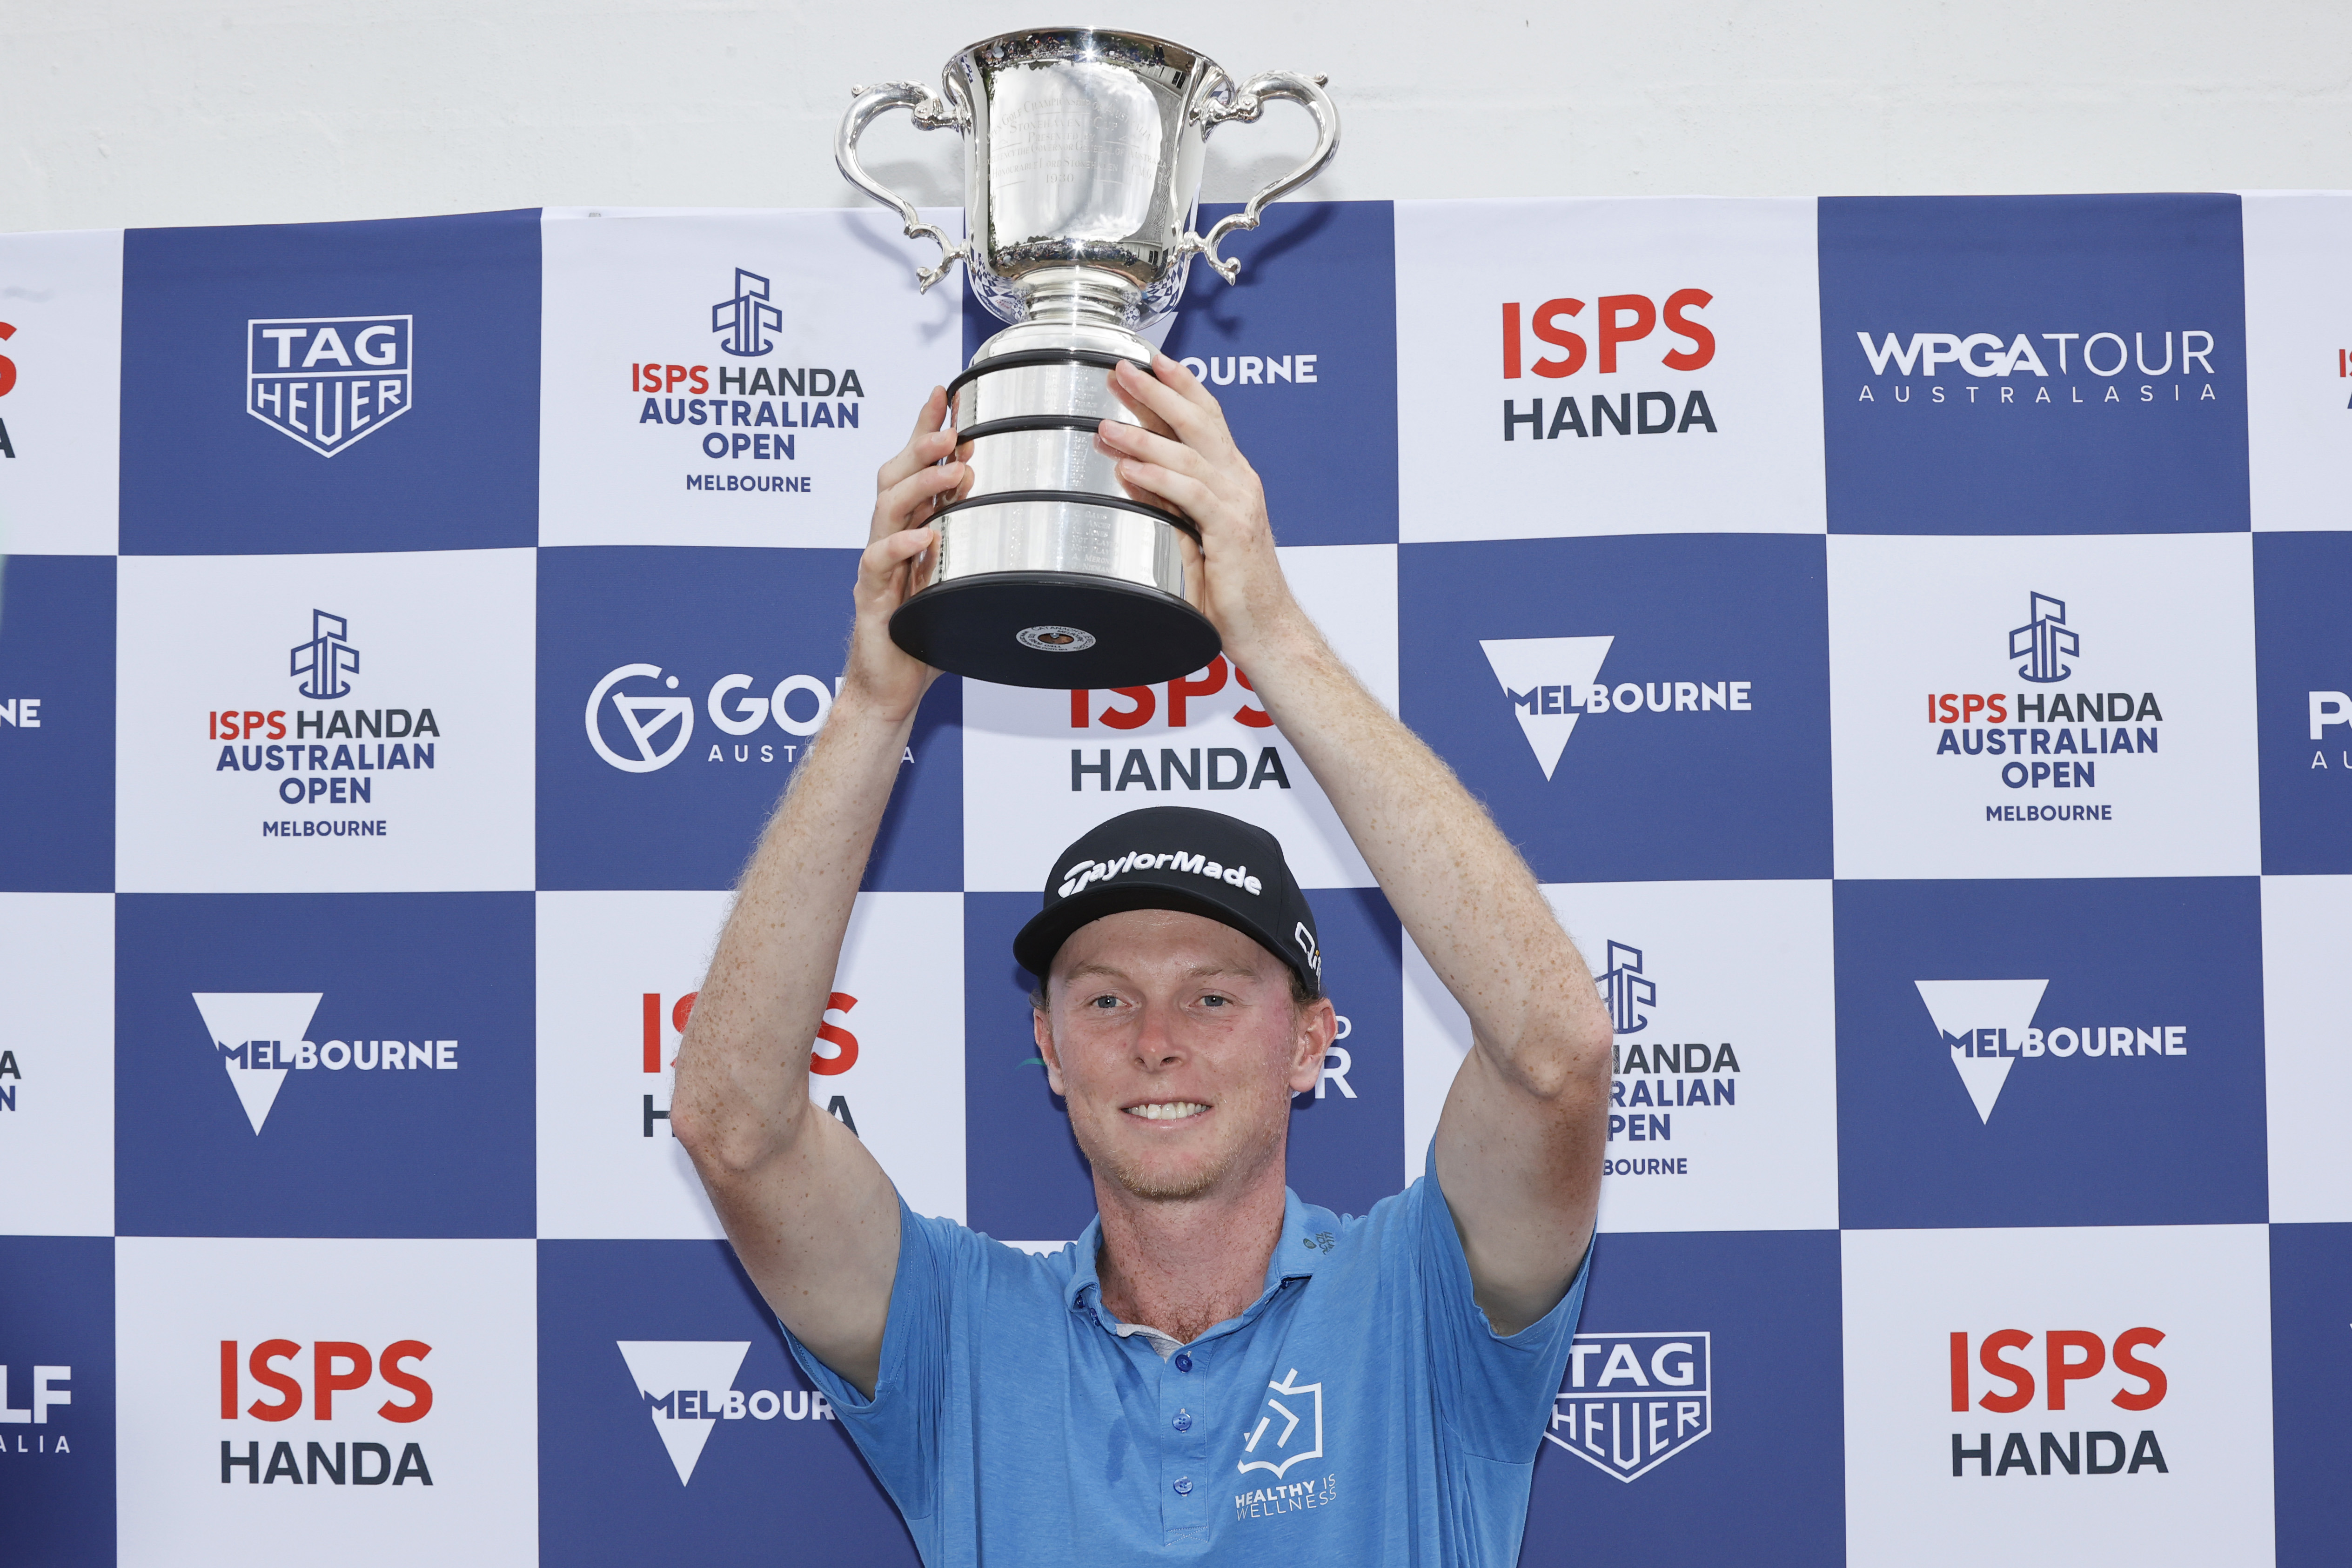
[1088, 872]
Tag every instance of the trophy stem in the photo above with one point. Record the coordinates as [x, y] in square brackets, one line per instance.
[1082, 296]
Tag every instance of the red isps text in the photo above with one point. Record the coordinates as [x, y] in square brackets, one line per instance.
[669, 377]
[228, 724]
[1144, 702]
[1962, 707]
[845, 1044]
[336, 1366]
[1617, 319]
[2069, 1355]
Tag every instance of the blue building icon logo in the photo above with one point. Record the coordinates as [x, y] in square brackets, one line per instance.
[746, 317]
[2043, 640]
[1624, 988]
[326, 659]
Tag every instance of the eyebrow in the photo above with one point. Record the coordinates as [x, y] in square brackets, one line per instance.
[1198, 972]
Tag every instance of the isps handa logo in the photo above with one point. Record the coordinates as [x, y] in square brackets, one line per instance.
[687, 1387]
[260, 1037]
[1655, 1079]
[2054, 738]
[2031, 372]
[2122, 1367]
[1168, 769]
[744, 415]
[834, 1053]
[385, 1384]
[323, 755]
[7, 385]
[1990, 1026]
[29, 1429]
[1553, 682]
[1633, 1401]
[329, 381]
[639, 721]
[1548, 341]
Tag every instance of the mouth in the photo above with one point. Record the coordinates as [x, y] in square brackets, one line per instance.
[1167, 1110]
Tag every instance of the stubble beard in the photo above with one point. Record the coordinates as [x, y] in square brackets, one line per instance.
[1134, 1176]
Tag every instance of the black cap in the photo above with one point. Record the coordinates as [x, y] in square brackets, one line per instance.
[1177, 857]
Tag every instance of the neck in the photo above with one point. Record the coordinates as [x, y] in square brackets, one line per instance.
[1182, 1265]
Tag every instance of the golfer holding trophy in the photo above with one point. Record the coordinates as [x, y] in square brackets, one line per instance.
[1217, 1370]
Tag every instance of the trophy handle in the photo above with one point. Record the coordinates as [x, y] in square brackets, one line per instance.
[930, 114]
[1246, 105]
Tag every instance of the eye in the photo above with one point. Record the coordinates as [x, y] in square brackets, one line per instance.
[1106, 1002]
[1212, 999]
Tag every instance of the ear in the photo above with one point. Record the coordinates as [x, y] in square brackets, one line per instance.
[1319, 1023]
[1043, 1026]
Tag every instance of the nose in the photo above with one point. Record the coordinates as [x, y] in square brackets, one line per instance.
[1156, 1046]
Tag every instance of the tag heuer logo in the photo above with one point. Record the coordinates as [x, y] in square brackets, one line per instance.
[327, 380]
[1635, 1400]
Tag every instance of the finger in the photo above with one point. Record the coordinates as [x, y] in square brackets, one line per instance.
[1183, 403]
[1180, 490]
[1135, 405]
[926, 445]
[1120, 440]
[905, 503]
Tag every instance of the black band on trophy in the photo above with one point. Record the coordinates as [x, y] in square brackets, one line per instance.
[1041, 356]
[1019, 422]
[1176, 520]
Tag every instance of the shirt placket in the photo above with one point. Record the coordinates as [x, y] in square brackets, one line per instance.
[1185, 1482]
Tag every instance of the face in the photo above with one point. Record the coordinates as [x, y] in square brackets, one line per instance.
[1176, 1042]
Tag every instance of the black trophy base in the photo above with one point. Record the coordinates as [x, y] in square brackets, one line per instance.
[1055, 629]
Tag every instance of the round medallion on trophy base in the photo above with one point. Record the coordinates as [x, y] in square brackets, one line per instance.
[1055, 629]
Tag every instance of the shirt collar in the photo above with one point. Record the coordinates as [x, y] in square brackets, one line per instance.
[1310, 1234]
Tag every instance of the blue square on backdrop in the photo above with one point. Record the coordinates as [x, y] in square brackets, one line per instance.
[56, 1341]
[677, 689]
[2311, 1387]
[1300, 351]
[1631, 709]
[1025, 1179]
[2034, 364]
[2303, 663]
[301, 388]
[56, 724]
[302, 1126]
[1951, 1112]
[1738, 1333]
[746, 1466]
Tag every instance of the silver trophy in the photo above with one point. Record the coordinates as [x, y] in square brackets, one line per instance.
[1082, 152]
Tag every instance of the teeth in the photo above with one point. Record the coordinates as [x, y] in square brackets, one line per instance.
[1170, 1110]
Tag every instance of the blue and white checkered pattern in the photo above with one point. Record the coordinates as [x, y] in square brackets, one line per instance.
[1906, 637]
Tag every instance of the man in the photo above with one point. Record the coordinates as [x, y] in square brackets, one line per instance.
[1217, 1369]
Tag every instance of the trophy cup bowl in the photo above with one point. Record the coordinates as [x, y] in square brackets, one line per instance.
[1083, 155]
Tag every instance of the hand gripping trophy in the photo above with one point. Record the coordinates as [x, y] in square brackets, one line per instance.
[1083, 153]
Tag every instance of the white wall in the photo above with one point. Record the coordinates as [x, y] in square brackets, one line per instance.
[146, 112]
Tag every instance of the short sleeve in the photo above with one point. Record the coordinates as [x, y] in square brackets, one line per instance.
[1495, 1391]
[897, 1430]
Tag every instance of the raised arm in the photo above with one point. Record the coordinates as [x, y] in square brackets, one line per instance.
[1520, 1143]
[811, 1214]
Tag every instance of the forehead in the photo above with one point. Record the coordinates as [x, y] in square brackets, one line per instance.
[1140, 941]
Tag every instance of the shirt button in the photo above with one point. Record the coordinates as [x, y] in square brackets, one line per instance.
[1183, 1486]
[1183, 1422]
[1183, 1363]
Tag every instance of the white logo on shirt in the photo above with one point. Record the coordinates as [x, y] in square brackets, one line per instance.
[1294, 1425]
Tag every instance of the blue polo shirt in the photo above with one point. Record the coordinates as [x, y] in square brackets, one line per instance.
[1361, 1411]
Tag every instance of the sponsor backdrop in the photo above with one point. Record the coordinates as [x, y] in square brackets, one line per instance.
[1907, 638]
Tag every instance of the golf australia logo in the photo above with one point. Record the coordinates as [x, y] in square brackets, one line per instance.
[1553, 682]
[654, 727]
[259, 1038]
[1988, 1026]
[687, 1387]
[1635, 1400]
[329, 381]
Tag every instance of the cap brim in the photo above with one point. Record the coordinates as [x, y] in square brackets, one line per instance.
[1042, 937]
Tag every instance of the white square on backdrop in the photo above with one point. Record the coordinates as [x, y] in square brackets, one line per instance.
[2307, 1046]
[2166, 621]
[2298, 358]
[1032, 770]
[608, 1165]
[57, 1063]
[465, 1315]
[2202, 1290]
[350, 640]
[1739, 970]
[751, 294]
[1741, 275]
[60, 391]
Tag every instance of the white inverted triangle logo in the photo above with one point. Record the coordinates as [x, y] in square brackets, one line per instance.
[247, 1026]
[1976, 1019]
[1539, 675]
[665, 1367]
